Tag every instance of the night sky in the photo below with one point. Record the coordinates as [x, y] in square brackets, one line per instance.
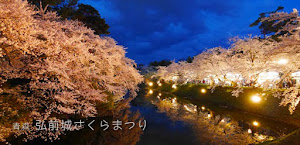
[175, 29]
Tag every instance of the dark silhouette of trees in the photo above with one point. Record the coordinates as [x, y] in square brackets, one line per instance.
[160, 63]
[268, 25]
[189, 59]
[71, 9]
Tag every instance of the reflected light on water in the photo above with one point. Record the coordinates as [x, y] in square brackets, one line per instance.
[179, 110]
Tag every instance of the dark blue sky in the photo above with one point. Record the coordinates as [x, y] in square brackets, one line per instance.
[174, 29]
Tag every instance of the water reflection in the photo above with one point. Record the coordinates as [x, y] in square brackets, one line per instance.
[211, 127]
[189, 120]
[84, 136]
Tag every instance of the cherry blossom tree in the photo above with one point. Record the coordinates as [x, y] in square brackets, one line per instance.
[250, 61]
[59, 66]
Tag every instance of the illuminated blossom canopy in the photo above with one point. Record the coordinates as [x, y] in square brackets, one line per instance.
[54, 66]
[250, 61]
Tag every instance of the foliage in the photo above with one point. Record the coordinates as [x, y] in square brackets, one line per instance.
[188, 59]
[56, 66]
[246, 63]
[274, 22]
[160, 63]
[71, 9]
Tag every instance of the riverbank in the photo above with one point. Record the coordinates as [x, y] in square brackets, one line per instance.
[221, 96]
[292, 138]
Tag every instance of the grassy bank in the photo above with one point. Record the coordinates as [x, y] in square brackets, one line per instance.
[291, 139]
[221, 96]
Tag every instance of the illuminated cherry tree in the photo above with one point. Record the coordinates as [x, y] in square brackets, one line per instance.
[251, 61]
[59, 66]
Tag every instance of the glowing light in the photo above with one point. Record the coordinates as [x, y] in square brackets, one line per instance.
[186, 108]
[159, 94]
[296, 76]
[282, 61]
[216, 81]
[222, 120]
[160, 84]
[191, 108]
[202, 107]
[267, 76]
[249, 130]
[262, 137]
[150, 84]
[255, 123]
[233, 77]
[255, 99]
[203, 91]
[174, 78]
[174, 86]
[150, 91]
[229, 83]
[174, 100]
[208, 115]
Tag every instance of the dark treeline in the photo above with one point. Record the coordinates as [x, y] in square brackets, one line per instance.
[71, 9]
